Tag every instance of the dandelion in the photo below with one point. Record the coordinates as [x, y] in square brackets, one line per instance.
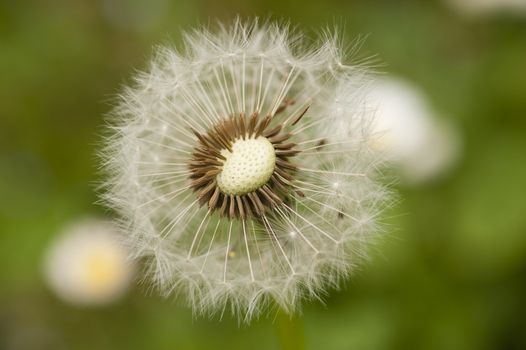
[476, 8]
[241, 168]
[87, 265]
[409, 134]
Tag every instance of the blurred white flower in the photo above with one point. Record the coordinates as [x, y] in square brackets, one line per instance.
[488, 7]
[406, 130]
[87, 265]
[242, 170]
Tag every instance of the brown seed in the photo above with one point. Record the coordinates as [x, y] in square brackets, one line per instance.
[207, 161]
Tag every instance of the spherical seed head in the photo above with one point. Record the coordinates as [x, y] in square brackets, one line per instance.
[248, 167]
[86, 265]
[223, 165]
[422, 146]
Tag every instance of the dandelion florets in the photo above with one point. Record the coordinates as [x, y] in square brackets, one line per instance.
[241, 168]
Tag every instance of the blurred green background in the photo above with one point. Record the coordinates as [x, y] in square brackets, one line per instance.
[451, 272]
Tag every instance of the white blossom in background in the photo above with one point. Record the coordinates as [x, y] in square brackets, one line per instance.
[242, 170]
[408, 133]
[86, 264]
[488, 7]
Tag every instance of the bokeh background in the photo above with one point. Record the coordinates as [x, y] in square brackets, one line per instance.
[451, 271]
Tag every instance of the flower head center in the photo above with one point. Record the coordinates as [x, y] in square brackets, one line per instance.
[240, 166]
[247, 167]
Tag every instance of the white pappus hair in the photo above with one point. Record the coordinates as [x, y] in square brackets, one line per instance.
[271, 238]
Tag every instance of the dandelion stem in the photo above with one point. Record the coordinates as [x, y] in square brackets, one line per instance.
[290, 331]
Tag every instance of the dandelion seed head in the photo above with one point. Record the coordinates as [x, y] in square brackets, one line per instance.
[481, 8]
[409, 132]
[242, 171]
[86, 265]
